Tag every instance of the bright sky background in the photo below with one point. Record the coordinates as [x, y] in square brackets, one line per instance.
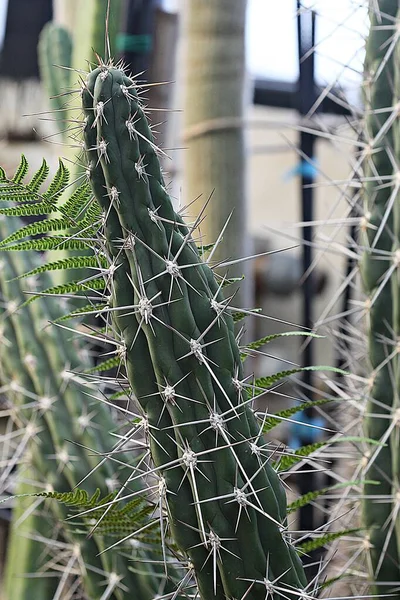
[272, 38]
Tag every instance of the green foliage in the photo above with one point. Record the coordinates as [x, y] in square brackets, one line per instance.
[108, 515]
[324, 540]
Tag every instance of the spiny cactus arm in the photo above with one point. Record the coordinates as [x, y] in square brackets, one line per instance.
[55, 57]
[194, 356]
[138, 362]
[376, 275]
[395, 437]
[23, 557]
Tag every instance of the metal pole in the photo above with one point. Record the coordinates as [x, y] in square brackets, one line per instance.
[307, 95]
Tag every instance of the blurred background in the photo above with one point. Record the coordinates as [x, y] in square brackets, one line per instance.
[272, 127]
[299, 93]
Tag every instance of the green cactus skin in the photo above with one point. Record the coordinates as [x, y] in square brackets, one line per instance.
[36, 360]
[380, 517]
[183, 363]
[55, 56]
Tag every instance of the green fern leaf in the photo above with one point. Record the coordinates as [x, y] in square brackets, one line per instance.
[107, 517]
[121, 394]
[73, 262]
[232, 280]
[78, 202]
[21, 170]
[70, 288]
[28, 210]
[314, 495]
[17, 193]
[50, 243]
[59, 183]
[324, 540]
[269, 338]
[79, 312]
[275, 420]
[263, 383]
[239, 316]
[39, 177]
[287, 461]
[106, 365]
[37, 228]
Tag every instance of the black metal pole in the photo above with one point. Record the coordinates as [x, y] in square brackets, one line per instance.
[136, 41]
[307, 95]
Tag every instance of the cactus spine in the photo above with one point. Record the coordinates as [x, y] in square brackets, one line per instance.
[380, 273]
[221, 494]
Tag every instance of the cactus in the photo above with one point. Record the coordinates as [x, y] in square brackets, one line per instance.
[214, 482]
[380, 278]
[36, 361]
[214, 110]
[55, 56]
[63, 53]
[221, 494]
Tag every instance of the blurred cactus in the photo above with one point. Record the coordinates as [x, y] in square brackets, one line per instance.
[213, 53]
[380, 275]
[64, 50]
[50, 407]
[55, 57]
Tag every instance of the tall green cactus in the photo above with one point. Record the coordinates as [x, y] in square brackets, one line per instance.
[380, 275]
[63, 52]
[55, 58]
[36, 362]
[221, 493]
[215, 161]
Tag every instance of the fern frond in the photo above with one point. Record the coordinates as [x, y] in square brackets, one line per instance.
[274, 420]
[73, 262]
[108, 517]
[269, 338]
[314, 495]
[121, 394]
[58, 184]
[324, 540]
[37, 228]
[21, 170]
[78, 312]
[287, 461]
[231, 281]
[106, 365]
[239, 316]
[80, 198]
[39, 177]
[263, 383]
[70, 288]
[28, 210]
[50, 243]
